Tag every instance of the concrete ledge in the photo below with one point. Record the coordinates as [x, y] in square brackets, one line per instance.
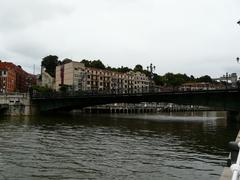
[227, 173]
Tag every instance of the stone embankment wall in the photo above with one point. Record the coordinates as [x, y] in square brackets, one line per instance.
[15, 104]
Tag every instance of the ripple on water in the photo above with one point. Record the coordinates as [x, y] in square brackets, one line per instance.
[111, 149]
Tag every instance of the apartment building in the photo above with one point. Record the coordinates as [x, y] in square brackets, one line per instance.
[14, 79]
[47, 80]
[81, 78]
[138, 82]
[98, 79]
[72, 74]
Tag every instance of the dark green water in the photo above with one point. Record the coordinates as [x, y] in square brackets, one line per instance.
[158, 146]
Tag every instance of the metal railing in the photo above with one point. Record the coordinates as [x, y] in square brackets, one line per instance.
[235, 160]
[122, 93]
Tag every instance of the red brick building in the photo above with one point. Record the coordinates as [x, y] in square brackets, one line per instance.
[14, 79]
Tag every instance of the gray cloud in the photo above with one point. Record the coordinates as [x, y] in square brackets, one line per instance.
[193, 37]
[28, 48]
[17, 14]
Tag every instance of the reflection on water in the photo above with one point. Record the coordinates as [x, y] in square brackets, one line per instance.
[118, 146]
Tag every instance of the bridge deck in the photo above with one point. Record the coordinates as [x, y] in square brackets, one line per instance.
[99, 94]
[226, 99]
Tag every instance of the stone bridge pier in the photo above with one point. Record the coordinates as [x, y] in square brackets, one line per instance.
[15, 104]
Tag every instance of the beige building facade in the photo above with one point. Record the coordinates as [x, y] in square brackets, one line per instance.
[47, 80]
[81, 78]
[71, 74]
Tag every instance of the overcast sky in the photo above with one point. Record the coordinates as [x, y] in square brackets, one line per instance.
[195, 37]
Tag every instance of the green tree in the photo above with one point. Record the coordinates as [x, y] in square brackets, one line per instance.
[111, 68]
[159, 80]
[175, 80]
[123, 69]
[205, 78]
[50, 62]
[97, 64]
[86, 62]
[192, 78]
[138, 67]
[66, 60]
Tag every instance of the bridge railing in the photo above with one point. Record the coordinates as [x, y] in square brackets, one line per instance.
[80, 94]
[235, 160]
[50, 95]
[15, 94]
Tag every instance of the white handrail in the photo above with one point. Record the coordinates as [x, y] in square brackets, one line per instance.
[236, 167]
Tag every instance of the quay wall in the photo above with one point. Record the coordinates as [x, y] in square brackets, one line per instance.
[15, 104]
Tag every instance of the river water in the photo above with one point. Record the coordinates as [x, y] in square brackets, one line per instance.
[167, 146]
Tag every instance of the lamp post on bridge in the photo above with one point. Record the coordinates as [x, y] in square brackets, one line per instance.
[150, 69]
[237, 59]
[238, 82]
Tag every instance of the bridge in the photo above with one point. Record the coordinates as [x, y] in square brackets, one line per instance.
[23, 104]
[226, 99]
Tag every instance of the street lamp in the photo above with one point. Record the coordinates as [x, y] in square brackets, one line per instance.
[238, 57]
[150, 69]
